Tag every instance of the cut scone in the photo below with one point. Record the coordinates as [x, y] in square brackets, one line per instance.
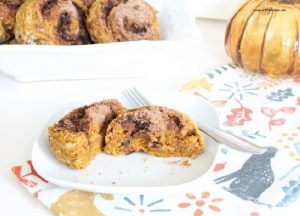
[158, 131]
[79, 136]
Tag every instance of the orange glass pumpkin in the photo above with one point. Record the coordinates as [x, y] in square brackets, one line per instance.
[263, 36]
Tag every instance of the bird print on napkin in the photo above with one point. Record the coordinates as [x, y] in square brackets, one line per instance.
[255, 176]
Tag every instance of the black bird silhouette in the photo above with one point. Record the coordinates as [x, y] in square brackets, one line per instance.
[255, 176]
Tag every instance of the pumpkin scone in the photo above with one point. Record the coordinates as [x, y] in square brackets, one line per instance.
[158, 131]
[119, 20]
[79, 136]
[8, 10]
[51, 22]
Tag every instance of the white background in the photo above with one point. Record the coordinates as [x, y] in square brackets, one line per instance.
[214, 9]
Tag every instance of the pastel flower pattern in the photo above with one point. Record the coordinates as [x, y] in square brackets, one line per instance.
[280, 95]
[199, 203]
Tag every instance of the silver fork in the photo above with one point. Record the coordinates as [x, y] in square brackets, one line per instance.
[137, 99]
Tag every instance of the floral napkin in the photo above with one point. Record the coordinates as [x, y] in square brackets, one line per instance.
[256, 107]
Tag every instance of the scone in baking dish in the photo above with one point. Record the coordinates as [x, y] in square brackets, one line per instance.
[178, 45]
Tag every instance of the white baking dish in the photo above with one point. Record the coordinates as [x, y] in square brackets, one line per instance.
[179, 45]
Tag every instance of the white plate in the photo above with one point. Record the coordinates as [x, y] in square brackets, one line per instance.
[137, 172]
[179, 45]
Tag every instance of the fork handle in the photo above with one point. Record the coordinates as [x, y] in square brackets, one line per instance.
[229, 139]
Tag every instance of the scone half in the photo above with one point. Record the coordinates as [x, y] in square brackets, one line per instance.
[158, 131]
[79, 136]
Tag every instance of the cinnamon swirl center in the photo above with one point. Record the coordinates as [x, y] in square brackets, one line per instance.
[133, 27]
[46, 8]
[63, 27]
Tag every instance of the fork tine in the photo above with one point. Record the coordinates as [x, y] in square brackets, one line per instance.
[136, 98]
[133, 99]
[130, 99]
[141, 96]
